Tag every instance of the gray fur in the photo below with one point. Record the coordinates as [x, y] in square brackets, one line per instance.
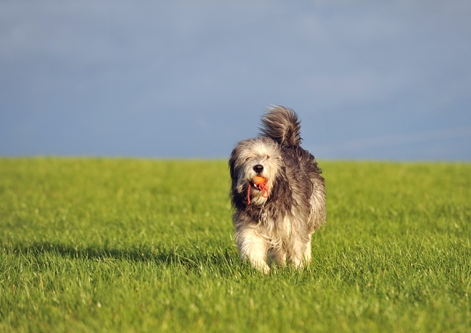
[279, 225]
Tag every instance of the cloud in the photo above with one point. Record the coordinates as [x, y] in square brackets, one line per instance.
[438, 145]
[91, 71]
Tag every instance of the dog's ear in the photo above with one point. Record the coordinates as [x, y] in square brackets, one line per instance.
[232, 167]
[236, 198]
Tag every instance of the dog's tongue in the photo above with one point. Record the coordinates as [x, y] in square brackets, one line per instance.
[261, 184]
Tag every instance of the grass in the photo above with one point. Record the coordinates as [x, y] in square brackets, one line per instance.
[127, 245]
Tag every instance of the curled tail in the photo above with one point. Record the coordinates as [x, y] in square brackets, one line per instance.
[282, 125]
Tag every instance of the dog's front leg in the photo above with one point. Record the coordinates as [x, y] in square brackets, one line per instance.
[300, 254]
[277, 255]
[253, 247]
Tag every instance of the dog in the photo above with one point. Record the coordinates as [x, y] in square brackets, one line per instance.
[277, 192]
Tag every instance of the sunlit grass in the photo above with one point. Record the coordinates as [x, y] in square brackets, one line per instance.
[147, 246]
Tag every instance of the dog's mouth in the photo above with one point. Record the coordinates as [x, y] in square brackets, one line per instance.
[260, 184]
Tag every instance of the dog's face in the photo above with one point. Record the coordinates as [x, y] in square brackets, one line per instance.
[250, 161]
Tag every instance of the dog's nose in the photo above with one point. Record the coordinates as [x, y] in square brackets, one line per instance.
[258, 168]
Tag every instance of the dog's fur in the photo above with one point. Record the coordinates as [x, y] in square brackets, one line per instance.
[280, 221]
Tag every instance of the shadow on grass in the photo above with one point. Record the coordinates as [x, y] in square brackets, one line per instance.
[190, 257]
[194, 259]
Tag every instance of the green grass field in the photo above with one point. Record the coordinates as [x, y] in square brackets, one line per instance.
[127, 245]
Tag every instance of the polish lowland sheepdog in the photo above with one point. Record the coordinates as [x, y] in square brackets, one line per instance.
[277, 192]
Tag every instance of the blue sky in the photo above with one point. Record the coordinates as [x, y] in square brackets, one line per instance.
[184, 79]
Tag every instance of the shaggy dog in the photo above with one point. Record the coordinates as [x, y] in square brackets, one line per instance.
[277, 192]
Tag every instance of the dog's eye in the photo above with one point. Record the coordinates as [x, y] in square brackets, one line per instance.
[268, 157]
[247, 159]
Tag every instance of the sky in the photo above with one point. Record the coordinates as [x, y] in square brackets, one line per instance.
[370, 80]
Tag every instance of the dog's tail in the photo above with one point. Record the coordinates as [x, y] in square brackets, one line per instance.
[282, 125]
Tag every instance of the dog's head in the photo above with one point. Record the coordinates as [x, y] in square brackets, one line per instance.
[254, 165]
